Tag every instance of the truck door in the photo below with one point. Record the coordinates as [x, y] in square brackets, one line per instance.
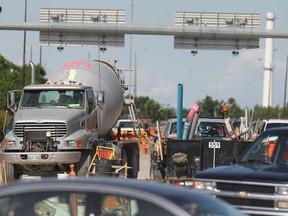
[91, 114]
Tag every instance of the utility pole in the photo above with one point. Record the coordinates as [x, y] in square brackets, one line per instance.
[130, 67]
[24, 47]
[285, 89]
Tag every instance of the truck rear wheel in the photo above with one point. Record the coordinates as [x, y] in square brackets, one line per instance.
[133, 161]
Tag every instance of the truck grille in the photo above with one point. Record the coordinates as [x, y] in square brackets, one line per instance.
[262, 189]
[248, 195]
[248, 202]
[58, 129]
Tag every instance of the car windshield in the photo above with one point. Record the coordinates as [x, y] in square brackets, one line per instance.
[270, 148]
[48, 98]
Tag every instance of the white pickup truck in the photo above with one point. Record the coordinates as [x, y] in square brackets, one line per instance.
[272, 123]
[126, 126]
[206, 128]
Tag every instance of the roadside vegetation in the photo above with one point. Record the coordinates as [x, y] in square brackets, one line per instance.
[11, 79]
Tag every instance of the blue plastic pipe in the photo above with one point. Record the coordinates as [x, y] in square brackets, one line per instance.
[187, 126]
[179, 111]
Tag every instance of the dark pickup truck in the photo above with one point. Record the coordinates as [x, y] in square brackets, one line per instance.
[257, 182]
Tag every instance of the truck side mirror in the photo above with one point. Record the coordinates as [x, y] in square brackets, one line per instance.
[100, 97]
[11, 97]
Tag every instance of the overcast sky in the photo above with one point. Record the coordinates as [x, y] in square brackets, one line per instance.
[160, 67]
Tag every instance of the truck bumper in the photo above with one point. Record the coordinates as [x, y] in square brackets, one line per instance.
[40, 157]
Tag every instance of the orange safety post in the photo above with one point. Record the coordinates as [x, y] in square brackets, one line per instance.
[73, 197]
[110, 202]
[72, 171]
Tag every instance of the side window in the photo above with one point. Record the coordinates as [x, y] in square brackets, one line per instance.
[166, 129]
[90, 100]
[173, 128]
[78, 203]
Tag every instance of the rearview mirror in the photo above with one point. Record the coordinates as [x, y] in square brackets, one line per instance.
[11, 97]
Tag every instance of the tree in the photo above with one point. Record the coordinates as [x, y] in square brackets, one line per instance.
[208, 107]
[234, 109]
[11, 78]
[150, 109]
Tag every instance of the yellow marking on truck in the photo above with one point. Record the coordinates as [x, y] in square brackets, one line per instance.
[72, 75]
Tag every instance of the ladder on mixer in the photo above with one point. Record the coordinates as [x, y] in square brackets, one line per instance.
[133, 115]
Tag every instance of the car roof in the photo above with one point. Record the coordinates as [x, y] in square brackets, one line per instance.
[155, 191]
[276, 121]
[217, 120]
[202, 119]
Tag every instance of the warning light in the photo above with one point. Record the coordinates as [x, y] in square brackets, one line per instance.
[225, 108]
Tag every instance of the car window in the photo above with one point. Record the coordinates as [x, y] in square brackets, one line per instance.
[125, 124]
[264, 149]
[273, 125]
[77, 203]
[173, 128]
[166, 129]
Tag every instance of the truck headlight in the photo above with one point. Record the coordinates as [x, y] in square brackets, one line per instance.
[283, 190]
[72, 143]
[204, 185]
[8, 144]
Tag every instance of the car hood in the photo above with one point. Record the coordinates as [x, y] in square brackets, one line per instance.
[247, 172]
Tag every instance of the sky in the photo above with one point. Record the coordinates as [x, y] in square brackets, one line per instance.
[159, 67]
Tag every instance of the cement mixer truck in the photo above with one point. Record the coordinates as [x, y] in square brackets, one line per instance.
[68, 120]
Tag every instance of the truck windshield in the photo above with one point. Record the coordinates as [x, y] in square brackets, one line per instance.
[48, 98]
[268, 148]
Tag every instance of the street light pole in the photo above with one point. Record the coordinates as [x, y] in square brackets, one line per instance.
[285, 89]
[24, 47]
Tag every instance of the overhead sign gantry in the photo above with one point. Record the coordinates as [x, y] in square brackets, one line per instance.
[222, 22]
[81, 16]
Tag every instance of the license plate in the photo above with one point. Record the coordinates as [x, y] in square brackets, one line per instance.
[33, 157]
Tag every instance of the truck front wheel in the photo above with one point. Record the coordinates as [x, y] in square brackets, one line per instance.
[9, 173]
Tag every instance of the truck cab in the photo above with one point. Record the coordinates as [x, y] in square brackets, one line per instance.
[50, 120]
[257, 183]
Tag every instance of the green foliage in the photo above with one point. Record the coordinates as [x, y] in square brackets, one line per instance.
[11, 78]
[2, 123]
[149, 109]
